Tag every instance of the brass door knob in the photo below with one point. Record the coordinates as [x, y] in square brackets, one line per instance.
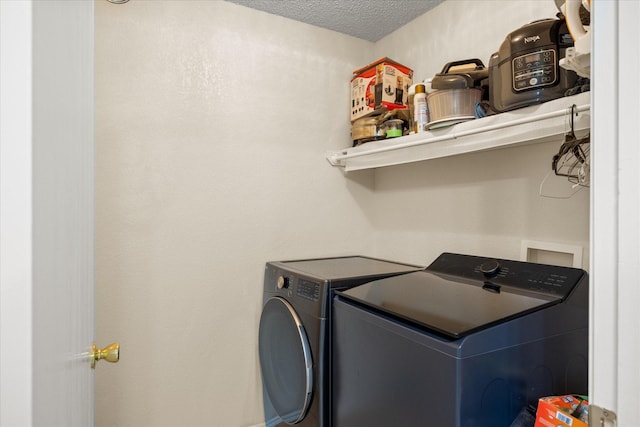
[110, 353]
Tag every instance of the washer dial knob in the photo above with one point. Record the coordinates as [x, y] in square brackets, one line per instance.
[490, 268]
[283, 282]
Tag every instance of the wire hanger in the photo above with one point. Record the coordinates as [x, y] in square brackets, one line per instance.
[572, 159]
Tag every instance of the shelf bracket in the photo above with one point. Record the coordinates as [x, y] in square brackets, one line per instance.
[334, 158]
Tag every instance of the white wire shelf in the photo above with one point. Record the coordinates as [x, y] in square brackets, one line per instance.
[535, 124]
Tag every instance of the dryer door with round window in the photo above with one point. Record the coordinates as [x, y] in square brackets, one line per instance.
[285, 360]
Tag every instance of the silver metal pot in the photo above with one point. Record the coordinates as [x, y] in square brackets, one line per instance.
[365, 129]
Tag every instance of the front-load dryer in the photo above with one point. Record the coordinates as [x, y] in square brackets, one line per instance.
[294, 341]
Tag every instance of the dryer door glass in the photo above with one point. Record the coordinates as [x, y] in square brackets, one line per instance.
[285, 360]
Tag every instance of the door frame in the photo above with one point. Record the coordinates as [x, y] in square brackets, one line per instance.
[15, 213]
[615, 208]
[46, 212]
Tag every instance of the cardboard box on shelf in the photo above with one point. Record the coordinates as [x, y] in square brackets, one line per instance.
[378, 87]
[562, 411]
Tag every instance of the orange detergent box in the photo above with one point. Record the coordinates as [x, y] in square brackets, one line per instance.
[378, 87]
[562, 411]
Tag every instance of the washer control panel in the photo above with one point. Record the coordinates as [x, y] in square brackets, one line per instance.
[494, 273]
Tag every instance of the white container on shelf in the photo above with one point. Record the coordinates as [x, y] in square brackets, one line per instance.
[450, 106]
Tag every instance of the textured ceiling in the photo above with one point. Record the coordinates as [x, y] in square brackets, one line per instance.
[366, 19]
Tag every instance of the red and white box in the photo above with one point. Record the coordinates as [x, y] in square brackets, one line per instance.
[378, 87]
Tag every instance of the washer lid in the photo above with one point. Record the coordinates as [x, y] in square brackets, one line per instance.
[460, 294]
[446, 306]
[285, 360]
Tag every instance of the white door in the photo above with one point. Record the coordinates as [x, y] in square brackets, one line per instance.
[47, 213]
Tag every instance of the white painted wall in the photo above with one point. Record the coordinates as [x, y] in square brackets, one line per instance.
[484, 203]
[211, 124]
